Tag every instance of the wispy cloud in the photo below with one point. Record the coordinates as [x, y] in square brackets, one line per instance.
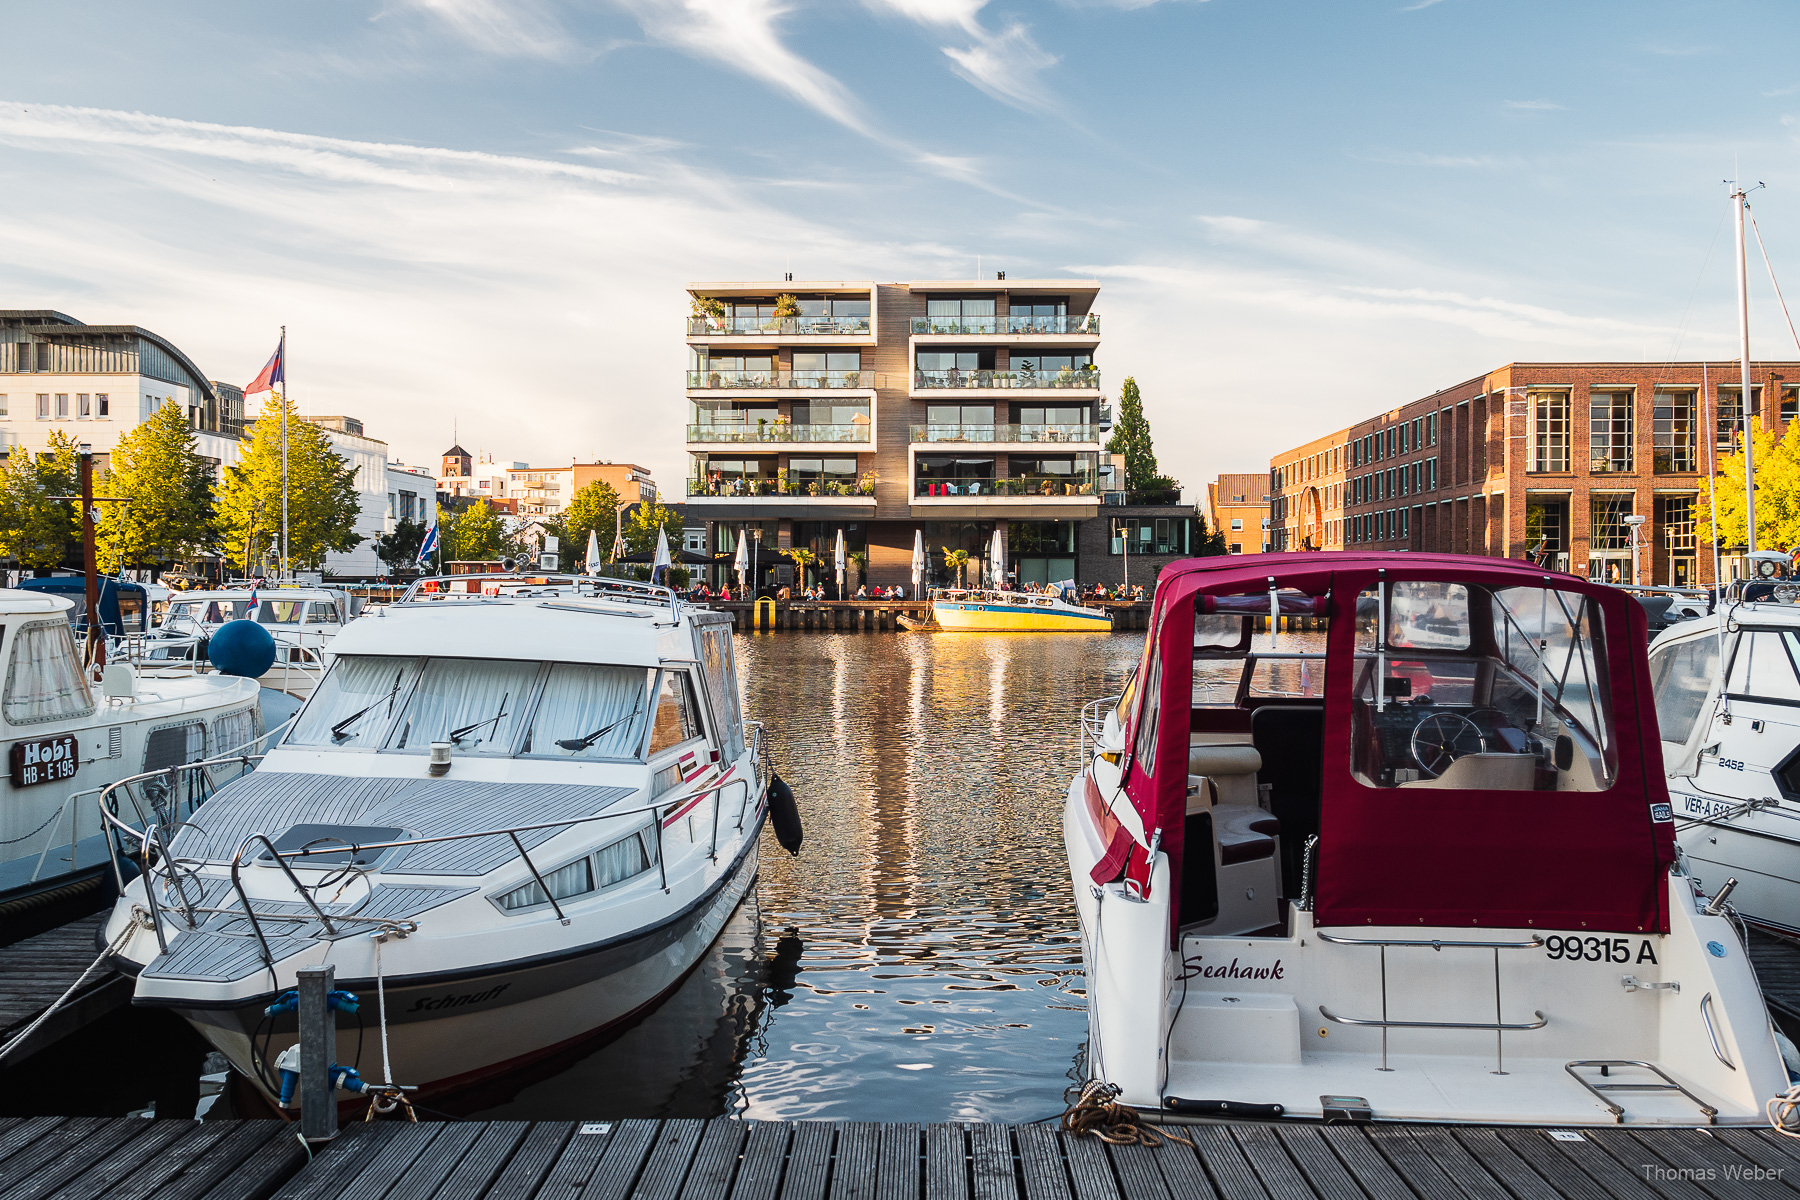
[1417, 158]
[515, 28]
[1534, 105]
[1789, 90]
[1420, 4]
[1004, 63]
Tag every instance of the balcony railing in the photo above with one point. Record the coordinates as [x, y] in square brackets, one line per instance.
[1078, 380]
[785, 380]
[779, 432]
[777, 326]
[1005, 433]
[773, 486]
[1087, 323]
[1016, 485]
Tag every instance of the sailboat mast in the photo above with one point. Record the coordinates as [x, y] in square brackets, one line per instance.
[1740, 201]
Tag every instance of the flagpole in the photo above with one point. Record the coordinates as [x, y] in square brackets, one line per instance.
[284, 455]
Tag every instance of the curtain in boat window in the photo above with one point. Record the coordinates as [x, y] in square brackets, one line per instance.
[629, 856]
[581, 701]
[279, 612]
[233, 732]
[44, 679]
[370, 684]
[721, 675]
[455, 694]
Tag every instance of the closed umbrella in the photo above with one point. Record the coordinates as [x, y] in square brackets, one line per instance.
[742, 564]
[997, 560]
[593, 553]
[659, 568]
[840, 563]
[918, 562]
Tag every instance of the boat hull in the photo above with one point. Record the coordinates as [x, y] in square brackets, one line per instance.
[454, 1030]
[1006, 618]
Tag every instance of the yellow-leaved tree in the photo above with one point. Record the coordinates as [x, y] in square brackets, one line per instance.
[1777, 493]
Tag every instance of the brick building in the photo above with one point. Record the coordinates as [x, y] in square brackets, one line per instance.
[1534, 459]
[1238, 507]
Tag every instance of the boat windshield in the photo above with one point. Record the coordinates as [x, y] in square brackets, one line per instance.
[590, 712]
[211, 612]
[279, 612]
[473, 703]
[356, 702]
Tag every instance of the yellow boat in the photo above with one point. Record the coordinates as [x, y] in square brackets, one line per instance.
[1014, 612]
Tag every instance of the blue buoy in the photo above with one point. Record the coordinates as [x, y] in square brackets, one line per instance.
[241, 648]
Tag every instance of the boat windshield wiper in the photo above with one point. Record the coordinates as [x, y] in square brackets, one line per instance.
[457, 735]
[582, 743]
[341, 730]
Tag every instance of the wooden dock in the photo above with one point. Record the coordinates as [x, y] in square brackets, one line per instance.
[52, 1158]
[34, 972]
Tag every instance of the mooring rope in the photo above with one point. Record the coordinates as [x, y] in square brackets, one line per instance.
[32, 1028]
[1099, 1112]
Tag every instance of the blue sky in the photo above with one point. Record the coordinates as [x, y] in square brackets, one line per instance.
[483, 211]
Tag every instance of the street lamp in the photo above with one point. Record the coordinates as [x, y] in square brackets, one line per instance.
[1635, 523]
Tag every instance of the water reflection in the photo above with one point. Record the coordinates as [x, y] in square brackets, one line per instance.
[920, 959]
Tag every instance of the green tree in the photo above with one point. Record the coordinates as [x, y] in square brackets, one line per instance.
[644, 521]
[1131, 440]
[157, 467]
[400, 548]
[476, 534]
[594, 507]
[1207, 542]
[34, 529]
[803, 558]
[956, 560]
[322, 500]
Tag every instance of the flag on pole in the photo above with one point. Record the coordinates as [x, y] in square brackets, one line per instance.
[659, 569]
[273, 371]
[428, 545]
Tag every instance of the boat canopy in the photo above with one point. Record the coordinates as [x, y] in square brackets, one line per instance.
[1474, 744]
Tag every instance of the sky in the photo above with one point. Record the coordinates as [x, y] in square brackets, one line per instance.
[476, 217]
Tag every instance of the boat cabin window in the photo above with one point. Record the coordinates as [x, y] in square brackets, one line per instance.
[355, 702]
[1235, 663]
[1483, 689]
[1681, 677]
[44, 681]
[212, 612]
[590, 712]
[321, 612]
[131, 611]
[1762, 667]
[474, 703]
[279, 612]
[677, 717]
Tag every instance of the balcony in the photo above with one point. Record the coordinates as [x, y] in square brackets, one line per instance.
[1086, 325]
[1006, 433]
[767, 381]
[822, 327]
[780, 487]
[781, 433]
[1032, 486]
[1086, 381]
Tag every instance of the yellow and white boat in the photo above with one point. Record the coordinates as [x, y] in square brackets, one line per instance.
[1014, 612]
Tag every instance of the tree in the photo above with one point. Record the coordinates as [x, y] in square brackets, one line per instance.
[34, 529]
[594, 507]
[1131, 441]
[322, 500]
[956, 560]
[400, 549]
[476, 534]
[645, 520]
[1207, 542]
[803, 558]
[1777, 492]
[158, 468]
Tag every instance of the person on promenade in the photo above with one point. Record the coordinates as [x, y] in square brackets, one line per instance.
[862, 592]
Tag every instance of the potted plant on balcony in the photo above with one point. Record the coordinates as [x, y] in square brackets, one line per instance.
[865, 486]
[710, 309]
[812, 488]
[787, 306]
[781, 482]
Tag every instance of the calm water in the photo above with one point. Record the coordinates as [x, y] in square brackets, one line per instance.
[919, 960]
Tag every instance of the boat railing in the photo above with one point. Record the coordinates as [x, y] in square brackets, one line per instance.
[629, 591]
[1093, 723]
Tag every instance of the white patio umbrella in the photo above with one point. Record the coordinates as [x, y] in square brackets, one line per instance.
[742, 563]
[659, 567]
[593, 553]
[918, 564]
[840, 562]
[997, 561]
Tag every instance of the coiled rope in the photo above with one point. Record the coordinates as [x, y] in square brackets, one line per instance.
[1099, 1112]
[1784, 1112]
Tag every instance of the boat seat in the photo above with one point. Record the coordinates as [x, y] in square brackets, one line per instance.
[1231, 767]
[1246, 833]
[1485, 772]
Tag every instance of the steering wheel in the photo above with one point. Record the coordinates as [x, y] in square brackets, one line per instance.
[1434, 741]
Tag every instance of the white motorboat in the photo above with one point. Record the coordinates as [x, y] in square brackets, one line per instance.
[510, 822]
[1426, 873]
[302, 620]
[69, 736]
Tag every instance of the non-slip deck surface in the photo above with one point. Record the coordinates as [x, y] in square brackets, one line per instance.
[49, 1158]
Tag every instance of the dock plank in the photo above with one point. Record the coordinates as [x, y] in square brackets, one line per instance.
[671, 1153]
[1224, 1160]
[1089, 1170]
[760, 1170]
[1270, 1160]
[74, 1158]
[1181, 1170]
[1592, 1159]
[525, 1171]
[484, 1161]
[100, 1172]
[36, 971]
[1373, 1173]
[1041, 1164]
[1770, 1158]
[1138, 1175]
[856, 1168]
[624, 1159]
[1715, 1168]
[1454, 1160]
[146, 1177]
[331, 1169]
[23, 1134]
[897, 1170]
[1325, 1173]
[1512, 1171]
[249, 1163]
[993, 1171]
[809, 1161]
[946, 1162]
[716, 1161]
[401, 1146]
[579, 1158]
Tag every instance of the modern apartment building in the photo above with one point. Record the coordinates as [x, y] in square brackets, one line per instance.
[1238, 506]
[1540, 460]
[951, 408]
[95, 382]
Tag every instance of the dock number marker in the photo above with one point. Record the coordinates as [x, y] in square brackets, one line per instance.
[1565, 1135]
[596, 1127]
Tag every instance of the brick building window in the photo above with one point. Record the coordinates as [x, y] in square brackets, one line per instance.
[1607, 530]
[1672, 431]
[1730, 410]
[1431, 429]
[1549, 431]
[1790, 403]
[1609, 426]
[1678, 523]
[1547, 528]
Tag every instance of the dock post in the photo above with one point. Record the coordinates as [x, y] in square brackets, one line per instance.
[318, 1047]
